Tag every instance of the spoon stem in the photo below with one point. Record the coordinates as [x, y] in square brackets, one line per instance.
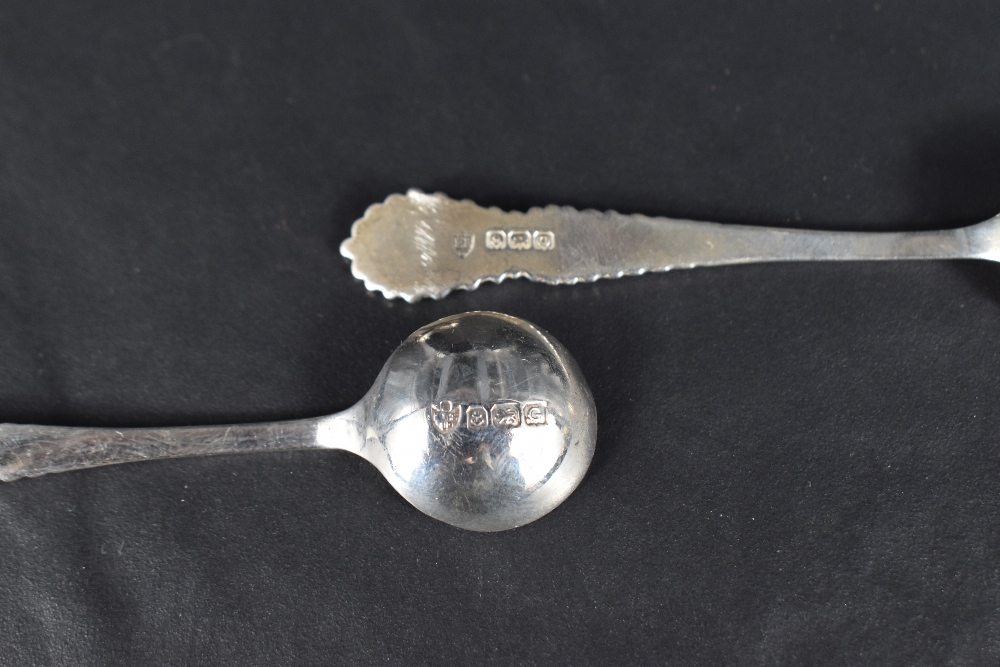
[708, 244]
[31, 451]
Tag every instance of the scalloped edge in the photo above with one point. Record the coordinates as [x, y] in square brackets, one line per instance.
[389, 293]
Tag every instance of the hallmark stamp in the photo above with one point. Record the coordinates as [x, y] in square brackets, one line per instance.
[496, 239]
[506, 415]
[543, 240]
[533, 413]
[463, 244]
[519, 239]
[445, 417]
[476, 418]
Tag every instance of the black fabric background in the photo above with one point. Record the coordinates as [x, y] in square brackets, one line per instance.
[797, 464]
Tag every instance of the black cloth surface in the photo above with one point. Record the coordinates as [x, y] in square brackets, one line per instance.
[797, 463]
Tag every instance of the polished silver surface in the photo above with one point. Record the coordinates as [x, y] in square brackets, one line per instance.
[481, 420]
[419, 245]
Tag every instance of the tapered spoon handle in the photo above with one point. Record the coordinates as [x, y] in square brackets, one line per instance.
[421, 245]
[30, 451]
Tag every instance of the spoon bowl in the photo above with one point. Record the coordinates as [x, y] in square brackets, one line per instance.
[481, 420]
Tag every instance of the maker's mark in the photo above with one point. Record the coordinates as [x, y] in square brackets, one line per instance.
[445, 417]
[463, 244]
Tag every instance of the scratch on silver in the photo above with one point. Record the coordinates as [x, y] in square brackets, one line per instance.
[562, 245]
[423, 239]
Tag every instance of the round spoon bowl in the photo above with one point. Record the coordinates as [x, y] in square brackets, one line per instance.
[481, 420]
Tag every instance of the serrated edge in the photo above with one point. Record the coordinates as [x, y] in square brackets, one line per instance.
[389, 293]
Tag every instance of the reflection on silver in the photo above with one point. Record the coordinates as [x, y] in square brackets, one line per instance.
[562, 245]
[522, 445]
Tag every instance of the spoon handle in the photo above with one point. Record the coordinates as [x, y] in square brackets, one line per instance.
[421, 245]
[31, 451]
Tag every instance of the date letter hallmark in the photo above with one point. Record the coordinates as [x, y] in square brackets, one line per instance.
[543, 240]
[534, 413]
[519, 239]
[463, 244]
[445, 417]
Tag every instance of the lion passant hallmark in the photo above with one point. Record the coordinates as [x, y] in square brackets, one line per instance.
[445, 416]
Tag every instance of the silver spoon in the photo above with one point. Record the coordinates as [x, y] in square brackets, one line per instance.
[481, 420]
[419, 245]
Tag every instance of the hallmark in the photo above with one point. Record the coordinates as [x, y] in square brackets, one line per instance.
[519, 239]
[445, 417]
[496, 239]
[476, 417]
[533, 413]
[463, 244]
[507, 414]
[543, 240]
